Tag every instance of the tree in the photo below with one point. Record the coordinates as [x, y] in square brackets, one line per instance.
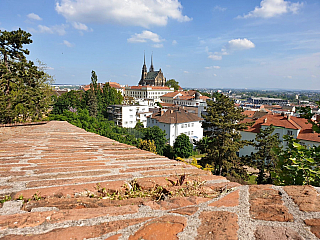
[110, 96]
[266, 157]
[306, 112]
[182, 146]
[155, 133]
[147, 145]
[93, 95]
[222, 124]
[73, 99]
[25, 92]
[298, 165]
[173, 83]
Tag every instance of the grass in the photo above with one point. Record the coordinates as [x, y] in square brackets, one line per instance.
[179, 188]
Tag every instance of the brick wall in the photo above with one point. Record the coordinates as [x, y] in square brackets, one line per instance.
[59, 166]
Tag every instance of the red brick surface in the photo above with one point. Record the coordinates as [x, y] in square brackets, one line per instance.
[64, 165]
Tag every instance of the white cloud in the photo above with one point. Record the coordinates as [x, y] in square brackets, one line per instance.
[144, 37]
[158, 45]
[313, 76]
[238, 44]
[212, 67]
[215, 75]
[186, 72]
[134, 12]
[34, 16]
[232, 46]
[80, 26]
[49, 68]
[174, 42]
[56, 29]
[68, 44]
[221, 9]
[215, 56]
[272, 8]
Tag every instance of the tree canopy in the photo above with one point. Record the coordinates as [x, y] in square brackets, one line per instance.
[266, 158]
[182, 146]
[173, 83]
[25, 92]
[222, 125]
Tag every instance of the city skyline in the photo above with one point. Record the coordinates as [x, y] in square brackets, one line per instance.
[200, 44]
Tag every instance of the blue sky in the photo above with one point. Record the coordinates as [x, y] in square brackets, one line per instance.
[212, 44]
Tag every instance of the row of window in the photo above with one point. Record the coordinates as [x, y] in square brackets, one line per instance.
[186, 125]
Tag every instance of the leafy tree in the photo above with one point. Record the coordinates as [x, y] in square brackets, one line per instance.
[73, 99]
[139, 125]
[203, 144]
[155, 133]
[306, 112]
[25, 92]
[93, 95]
[168, 151]
[224, 140]
[173, 83]
[148, 145]
[266, 157]
[298, 165]
[110, 96]
[182, 146]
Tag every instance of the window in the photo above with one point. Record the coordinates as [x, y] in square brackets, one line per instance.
[289, 132]
[188, 124]
[131, 116]
[131, 122]
[181, 125]
[191, 132]
[131, 109]
[125, 122]
[185, 125]
[192, 124]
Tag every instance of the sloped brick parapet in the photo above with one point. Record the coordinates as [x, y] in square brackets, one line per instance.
[59, 171]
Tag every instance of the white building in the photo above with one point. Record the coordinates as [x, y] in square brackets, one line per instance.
[147, 92]
[127, 116]
[177, 121]
[299, 128]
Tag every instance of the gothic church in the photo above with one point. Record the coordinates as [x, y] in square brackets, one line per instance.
[151, 78]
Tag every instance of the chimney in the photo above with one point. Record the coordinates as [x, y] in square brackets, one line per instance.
[289, 117]
[265, 120]
[171, 111]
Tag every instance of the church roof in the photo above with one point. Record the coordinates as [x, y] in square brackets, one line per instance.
[152, 75]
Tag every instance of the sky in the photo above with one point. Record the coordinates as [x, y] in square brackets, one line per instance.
[254, 44]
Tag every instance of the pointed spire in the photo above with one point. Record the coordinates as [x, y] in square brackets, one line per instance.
[151, 67]
[144, 57]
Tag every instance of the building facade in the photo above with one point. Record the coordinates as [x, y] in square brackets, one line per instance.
[127, 116]
[177, 121]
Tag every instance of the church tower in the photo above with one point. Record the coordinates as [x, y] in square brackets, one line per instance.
[151, 67]
[144, 70]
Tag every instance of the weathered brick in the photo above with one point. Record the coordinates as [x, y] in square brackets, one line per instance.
[37, 218]
[222, 186]
[111, 186]
[269, 232]
[175, 202]
[315, 226]
[218, 225]
[266, 204]
[80, 232]
[306, 197]
[231, 200]
[166, 227]
[186, 211]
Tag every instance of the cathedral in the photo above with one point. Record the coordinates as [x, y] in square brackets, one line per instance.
[151, 78]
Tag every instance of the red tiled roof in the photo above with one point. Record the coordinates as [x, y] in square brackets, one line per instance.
[171, 94]
[177, 116]
[277, 120]
[248, 113]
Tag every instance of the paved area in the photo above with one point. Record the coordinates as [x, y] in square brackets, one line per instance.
[60, 179]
